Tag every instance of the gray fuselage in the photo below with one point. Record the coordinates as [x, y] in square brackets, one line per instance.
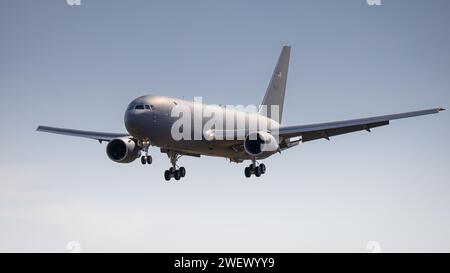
[155, 121]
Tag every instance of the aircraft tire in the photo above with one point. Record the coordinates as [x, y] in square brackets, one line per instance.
[177, 175]
[263, 168]
[149, 159]
[257, 171]
[247, 172]
[182, 171]
[167, 175]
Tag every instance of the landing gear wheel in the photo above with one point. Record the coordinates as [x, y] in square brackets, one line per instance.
[149, 159]
[182, 171]
[255, 168]
[263, 168]
[175, 171]
[167, 175]
[143, 160]
[177, 175]
[258, 171]
[247, 172]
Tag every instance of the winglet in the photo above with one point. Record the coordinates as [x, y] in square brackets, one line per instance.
[441, 109]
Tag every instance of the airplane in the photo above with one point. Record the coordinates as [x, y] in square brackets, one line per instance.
[149, 121]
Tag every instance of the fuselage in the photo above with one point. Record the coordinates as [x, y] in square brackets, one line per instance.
[152, 118]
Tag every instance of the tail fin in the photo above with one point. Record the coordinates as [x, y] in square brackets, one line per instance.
[277, 86]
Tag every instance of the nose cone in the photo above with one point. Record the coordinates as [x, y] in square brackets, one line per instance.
[130, 120]
[139, 116]
[135, 123]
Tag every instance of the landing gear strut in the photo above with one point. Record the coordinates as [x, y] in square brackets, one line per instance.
[173, 171]
[255, 169]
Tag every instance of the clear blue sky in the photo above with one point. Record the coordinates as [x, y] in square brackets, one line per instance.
[79, 67]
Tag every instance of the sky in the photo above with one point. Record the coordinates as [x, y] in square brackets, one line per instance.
[79, 67]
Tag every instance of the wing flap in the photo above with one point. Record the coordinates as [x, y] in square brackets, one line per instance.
[308, 136]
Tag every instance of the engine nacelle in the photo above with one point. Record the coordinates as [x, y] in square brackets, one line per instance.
[122, 150]
[260, 144]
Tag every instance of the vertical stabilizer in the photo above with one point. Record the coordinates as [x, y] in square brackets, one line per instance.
[277, 87]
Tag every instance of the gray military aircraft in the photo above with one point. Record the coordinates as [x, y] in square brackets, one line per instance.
[150, 121]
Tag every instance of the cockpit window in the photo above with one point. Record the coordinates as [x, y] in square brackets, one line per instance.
[140, 107]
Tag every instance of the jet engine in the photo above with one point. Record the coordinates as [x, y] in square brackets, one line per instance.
[122, 150]
[260, 144]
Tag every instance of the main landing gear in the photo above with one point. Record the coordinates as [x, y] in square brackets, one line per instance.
[173, 171]
[255, 169]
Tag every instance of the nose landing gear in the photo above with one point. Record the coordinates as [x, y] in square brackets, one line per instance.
[146, 159]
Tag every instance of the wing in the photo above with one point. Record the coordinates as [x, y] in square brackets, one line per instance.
[329, 129]
[100, 136]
